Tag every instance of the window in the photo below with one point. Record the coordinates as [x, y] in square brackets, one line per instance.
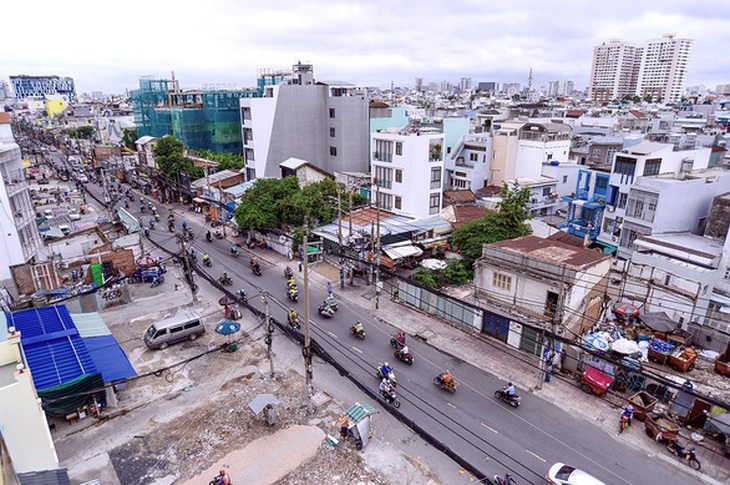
[398, 202]
[385, 201]
[436, 178]
[333, 151]
[473, 157]
[399, 176]
[332, 131]
[727, 274]
[247, 135]
[248, 155]
[384, 177]
[332, 112]
[565, 179]
[434, 203]
[546, 191]
[399, 148]
[622, 200]
[651, 167]
[601, 182]
[551, 304]
[596, 153]
[502, 281]
[383, 151]
[626, 167]
[246, 114]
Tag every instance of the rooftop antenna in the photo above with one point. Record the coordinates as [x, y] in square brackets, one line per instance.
[529, 82]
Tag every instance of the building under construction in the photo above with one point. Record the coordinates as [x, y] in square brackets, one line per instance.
[204, 119]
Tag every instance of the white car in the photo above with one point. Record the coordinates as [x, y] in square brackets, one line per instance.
[74, 215]
[562, 474]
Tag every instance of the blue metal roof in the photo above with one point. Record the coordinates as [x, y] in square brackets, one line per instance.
[53, 348]
[109, 358]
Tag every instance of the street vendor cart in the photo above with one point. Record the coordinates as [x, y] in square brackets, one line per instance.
[682, 359]
[660, 427]
[355, 423]
[594, 381]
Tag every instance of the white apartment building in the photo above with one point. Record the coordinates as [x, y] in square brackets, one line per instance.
[408, 166]
[655, 189]
[656, 69]
[20, 240]
[322, 122]
[467, 168]
[663, 68]
[614, 71]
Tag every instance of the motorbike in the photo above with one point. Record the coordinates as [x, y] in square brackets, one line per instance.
[234, 252]
[157, 281]
[218, 479]
[208, 237]
[294, 322]
[207, 262]
[390, 377]
[288, 273]
[256, 268]
[687, 454]
[391, 398]
[225, 281]
[507, 480]
[513, 400]
[242, 295]
[450, 386]
[330, 300]
[218, 235]
[147, 232]
[157, 217]
[395, 343]
[360, 334]
[325, 310]
[408, 358]
[293, 294]
[142, 208]
[171, 227]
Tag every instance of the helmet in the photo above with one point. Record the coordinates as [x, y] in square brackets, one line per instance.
[358, 321]
[386, 364]
[629, 408]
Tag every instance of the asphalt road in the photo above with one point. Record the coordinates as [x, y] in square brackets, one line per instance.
[489, 433]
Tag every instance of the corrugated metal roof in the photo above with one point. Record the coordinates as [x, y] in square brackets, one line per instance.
[109, 358]
[52, 345]
[90, 324]
[58, 476]
[552, 251]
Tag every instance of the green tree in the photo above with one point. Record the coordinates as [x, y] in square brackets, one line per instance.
[85, 132]
[508, 223]
[170, 159]
[226, 161]
[128, 139]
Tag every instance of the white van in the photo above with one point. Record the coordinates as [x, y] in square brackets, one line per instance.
[173, 330]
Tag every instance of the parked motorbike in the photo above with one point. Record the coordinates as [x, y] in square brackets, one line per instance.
[408, 358]
[391, 398]
[293, 294]
[390, 377]
[325, 310]
[157, 281]
[687, 454]
[256, 268]
[450, 386]
[288, 273]
[359, 334]
[513, 400]
[225, 281]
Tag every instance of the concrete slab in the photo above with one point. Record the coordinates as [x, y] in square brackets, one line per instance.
[267, 459]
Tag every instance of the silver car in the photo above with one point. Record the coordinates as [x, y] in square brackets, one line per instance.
[562, 474]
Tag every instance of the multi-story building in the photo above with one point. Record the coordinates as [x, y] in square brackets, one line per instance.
[560, 88]
[203, 119]
[465, 84]
[586, 204]
[324, 123]
[36, 87]
[407, 170]
[656, 189]
[20, 240]
[468, 165]
[663, 69]
[614, 71]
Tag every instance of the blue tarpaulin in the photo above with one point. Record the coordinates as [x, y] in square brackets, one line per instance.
[109, 358]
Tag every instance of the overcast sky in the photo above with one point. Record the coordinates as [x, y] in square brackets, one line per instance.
[107, 46]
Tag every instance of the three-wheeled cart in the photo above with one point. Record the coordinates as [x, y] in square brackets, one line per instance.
[355, 423]
[660, 427]
[594, 381]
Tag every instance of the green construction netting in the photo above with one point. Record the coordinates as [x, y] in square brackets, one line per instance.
[66, 398]
[97, 273]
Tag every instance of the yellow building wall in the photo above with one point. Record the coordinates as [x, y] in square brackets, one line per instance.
[54, 107]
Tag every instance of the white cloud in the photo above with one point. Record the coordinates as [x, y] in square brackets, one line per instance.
[108, 46]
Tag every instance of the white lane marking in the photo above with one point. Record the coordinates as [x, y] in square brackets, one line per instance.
[333, 335]
[451, 405]
[536, 456]
[490, 429]
[357, 349]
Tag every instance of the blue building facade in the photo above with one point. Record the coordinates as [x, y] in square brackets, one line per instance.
[586, 205]
[40, 86]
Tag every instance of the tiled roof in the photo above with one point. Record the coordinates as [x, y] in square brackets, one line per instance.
[4, 117]
[637, 113]
[574, 113]
[459, 196]
[552, 251]
[466, 213]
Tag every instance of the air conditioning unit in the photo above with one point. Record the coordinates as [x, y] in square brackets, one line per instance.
[610, 208]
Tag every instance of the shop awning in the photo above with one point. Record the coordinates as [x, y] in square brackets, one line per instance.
[401, 251]
[198, 200]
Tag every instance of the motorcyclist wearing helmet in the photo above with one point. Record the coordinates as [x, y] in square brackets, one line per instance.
[358, 327]
[224, 277]
[234, 249]
[292, 314]
[386, 369]
[404, 352]
[206, 257]
[628, 413]
[385, 389]
[510, 390]
[400, 338]
[446, 377]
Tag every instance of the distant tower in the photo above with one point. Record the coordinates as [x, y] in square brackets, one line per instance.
[419, 84]
[529, 82]
[392, 90]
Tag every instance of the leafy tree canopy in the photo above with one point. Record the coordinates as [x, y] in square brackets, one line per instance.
[226, 161]
[508, 223]
[170, 159]
[129, 137]
[273, 201]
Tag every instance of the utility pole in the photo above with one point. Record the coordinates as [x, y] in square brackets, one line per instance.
[378, 284]
[339, 239]
[188, 268]
[268, 327]
[307, 348]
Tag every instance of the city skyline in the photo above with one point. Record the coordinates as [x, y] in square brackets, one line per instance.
[367, 43]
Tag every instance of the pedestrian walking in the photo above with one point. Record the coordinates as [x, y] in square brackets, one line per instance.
[329, 287]
[300, 265]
